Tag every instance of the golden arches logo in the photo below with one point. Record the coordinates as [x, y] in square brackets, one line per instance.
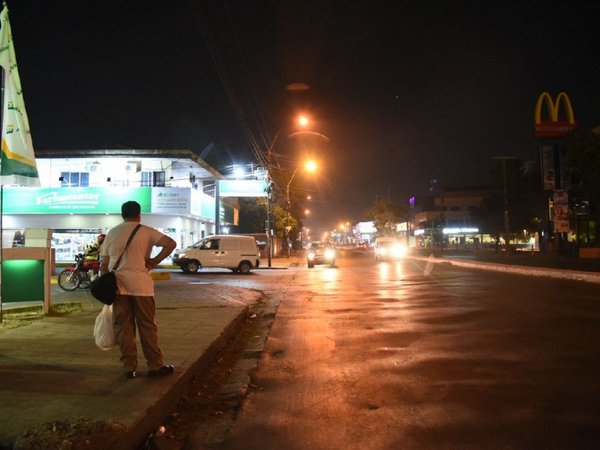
[553, 127]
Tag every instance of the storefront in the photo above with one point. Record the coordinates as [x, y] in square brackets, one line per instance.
[459, 238]
[77, 215]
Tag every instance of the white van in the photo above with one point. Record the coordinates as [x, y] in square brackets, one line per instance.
[238, 253]
[387, 248]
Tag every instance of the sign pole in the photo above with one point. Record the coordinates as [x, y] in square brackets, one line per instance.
[217, 208]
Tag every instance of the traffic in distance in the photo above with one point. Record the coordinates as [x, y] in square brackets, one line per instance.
[241, 254]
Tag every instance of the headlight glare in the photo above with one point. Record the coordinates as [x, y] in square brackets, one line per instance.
[399, 251]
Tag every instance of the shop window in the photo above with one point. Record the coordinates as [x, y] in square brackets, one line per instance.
[74, 179]
[587, 233]
[153, 179]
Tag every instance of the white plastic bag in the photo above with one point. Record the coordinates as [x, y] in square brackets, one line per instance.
[104, 333]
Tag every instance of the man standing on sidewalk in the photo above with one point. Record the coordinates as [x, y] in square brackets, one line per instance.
[134, 304]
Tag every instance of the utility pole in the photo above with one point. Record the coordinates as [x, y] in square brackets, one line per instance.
[269, 192]
[505, 191]
[268, 224]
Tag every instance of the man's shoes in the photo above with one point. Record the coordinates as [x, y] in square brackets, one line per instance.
[162, 372]
[130, 374]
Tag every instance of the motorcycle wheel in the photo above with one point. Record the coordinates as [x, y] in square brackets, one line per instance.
[69, 280]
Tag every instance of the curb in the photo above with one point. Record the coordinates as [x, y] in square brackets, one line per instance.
[564, 274]
[155, 414]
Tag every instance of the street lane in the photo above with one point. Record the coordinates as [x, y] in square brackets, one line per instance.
[388, 355]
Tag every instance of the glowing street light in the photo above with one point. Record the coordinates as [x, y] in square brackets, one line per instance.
[310, 166]
[303, 120]
[239, 172]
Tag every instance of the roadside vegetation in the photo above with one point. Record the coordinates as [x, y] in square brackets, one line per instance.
[21, 317]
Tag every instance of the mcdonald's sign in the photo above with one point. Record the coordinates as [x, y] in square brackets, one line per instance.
[553, 127]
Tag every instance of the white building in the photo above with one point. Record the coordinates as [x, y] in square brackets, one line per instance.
[82, 192]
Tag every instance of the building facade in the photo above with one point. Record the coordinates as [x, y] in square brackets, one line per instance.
[82, 191]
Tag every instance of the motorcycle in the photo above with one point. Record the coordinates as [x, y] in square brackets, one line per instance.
[79, 275]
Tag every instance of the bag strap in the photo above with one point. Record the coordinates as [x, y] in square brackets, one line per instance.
[126, 245]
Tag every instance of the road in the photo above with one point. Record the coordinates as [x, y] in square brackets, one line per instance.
[404, 356]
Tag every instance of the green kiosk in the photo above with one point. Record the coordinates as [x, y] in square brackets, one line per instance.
[26, 271]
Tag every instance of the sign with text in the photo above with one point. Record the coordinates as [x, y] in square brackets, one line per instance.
[561, 211]
[82, 200]
[242, 188]
[171, 200]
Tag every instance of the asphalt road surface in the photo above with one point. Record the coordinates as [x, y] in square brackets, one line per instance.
[402, 355]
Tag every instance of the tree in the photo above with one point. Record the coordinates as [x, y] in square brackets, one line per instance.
[526, 200]
[287, 202]
[283, 221]
[253, 215]
[386, 215]
[583, 153]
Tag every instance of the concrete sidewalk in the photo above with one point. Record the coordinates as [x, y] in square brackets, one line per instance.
[51, 370]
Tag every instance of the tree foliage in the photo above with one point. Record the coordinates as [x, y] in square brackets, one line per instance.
[385, 215]
[583, 153]
[253, 215]
[283, 222]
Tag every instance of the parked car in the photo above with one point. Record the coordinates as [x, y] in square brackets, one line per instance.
[320, 253]
[238, 253]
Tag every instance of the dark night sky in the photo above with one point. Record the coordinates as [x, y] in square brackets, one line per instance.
[407, 91]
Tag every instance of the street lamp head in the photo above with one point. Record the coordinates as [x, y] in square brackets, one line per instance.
[311, 166]
[238, 172]
[303, 120]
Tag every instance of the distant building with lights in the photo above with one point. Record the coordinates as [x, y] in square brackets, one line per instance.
[447, 218]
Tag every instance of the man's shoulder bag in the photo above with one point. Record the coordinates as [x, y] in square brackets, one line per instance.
[104, 288]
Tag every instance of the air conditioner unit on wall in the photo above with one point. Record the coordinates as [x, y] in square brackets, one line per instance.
[94, 167]
[130, 168]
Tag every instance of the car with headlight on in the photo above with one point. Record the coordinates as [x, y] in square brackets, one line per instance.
[388, 248]
[320, 253]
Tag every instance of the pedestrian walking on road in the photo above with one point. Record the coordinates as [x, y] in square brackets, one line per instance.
[134, 304]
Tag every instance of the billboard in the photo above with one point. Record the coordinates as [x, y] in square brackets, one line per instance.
[548, 168]
[561, 211]
[83, 200]
[242, 188]
[91, 200]
[553, 127]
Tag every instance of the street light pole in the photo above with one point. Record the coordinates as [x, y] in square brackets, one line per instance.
[289, 207]
[303, 122]
[287, 189]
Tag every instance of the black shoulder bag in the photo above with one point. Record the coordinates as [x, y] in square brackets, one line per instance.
[104, 288]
